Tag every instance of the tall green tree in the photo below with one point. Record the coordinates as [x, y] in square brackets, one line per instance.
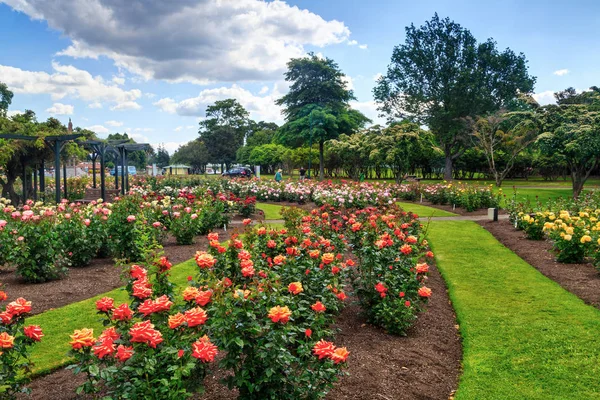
[316, 108]
[572, 134]
[504, 135]
[194, 154]
[5, 99]
[224, 130]
[162, 157]
[441, 75]
[138, 158]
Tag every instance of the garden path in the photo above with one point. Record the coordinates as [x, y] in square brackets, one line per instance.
[523, 335]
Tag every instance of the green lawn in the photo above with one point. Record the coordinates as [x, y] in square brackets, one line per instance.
[271, 210]
[543, 195]
[524, 337]
[424, 211]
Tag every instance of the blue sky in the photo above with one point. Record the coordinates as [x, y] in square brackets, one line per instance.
[150, 67]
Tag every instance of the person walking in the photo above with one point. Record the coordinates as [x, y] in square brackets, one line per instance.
[278, 176]
[302, 173]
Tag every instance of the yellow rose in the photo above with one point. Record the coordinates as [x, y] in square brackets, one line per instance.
[567, 238]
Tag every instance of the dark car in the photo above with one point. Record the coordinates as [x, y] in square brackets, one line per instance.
[238, 172]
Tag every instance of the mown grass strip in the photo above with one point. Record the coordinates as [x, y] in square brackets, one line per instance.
[271, 210]
[524, 336]
[425, 211]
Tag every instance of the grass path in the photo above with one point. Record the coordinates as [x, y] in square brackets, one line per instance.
[524, 336]
[271, 210]
[425, 212]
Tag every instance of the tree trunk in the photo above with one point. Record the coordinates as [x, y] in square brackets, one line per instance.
[577, 185]
[448, 167]
[321, 159]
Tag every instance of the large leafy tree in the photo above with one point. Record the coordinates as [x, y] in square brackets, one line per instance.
[504, 135]
[5, 99]
[441, 75]
[138, 158]
[572, 133]
[224, 130]
[194, 154]
[317, 105]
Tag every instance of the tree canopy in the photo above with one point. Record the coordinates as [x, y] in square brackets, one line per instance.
[224, 130]
[441, 75]
[317, 104]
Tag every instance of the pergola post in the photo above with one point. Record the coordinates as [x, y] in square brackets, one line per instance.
[102, 183]
[24, 181]
[35, 183]
[42, 180]
[65, 179]
[122, 153]
[94, 157]
[57, 171]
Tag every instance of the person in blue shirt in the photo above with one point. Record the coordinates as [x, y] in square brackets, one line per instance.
[278, 176]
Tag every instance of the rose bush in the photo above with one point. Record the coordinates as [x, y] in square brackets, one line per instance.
[15, 342]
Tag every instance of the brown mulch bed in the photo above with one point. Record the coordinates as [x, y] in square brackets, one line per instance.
[423, 365]
[83, 283]
[583, 280]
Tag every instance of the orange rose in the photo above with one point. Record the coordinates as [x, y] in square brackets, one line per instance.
[6, 341]
[105, 304]
[278, 260]
[124, 353]
[424, 291]
[33, 332]
[190, 293]
[195, 316]
[163, 303]
[261, 231]
[82, 338]
[3, 296]
[213, 236]
[318, 307]
[422, 268]
[144, 332]
[340, 354]
[122, 313]
[280, 314]
[18, 307]
[323, 349]
[295, 287]
[204, 350]
[176, 320]
[314, 253]
[327, 258]
[203, 297]
[205, 260]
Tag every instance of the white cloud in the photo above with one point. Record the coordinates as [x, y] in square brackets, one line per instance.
[544, 98]
[118, 80]
[260, 107]
[561, 72]
[98, 129]
[184, 128]
[95, 104]
[142, 130]
[60, 109]
[264, 90]
[188, 40]
[349, 82]
[66, 80]
[352, 43]
[12, 113]
[126, 105]
[114, 124]
[369, 109]
[377, 76]
[363, 47]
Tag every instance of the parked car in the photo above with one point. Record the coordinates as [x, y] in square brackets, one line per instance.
[243, 172]
[131, 170]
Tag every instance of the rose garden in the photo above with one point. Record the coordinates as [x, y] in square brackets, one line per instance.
[453, 253]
